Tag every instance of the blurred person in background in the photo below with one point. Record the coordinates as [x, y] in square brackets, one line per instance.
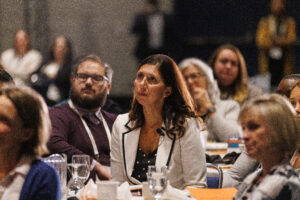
[52, 79]
[220, 116]
[287, 83]
[230, 71]
[21, 61]
[271, 131]
[154, 30]
[24, 130]
[160, 129]
[295, 99]
[275, 37]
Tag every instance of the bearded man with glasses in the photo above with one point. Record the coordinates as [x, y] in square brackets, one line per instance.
[80, 125]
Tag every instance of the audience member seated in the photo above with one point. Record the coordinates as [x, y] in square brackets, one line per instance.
[287, 83]
[220, 116]
[160, 129]
[230, 70]
[295, 101]
[5, 77]
[154, 30]
[24, 131]
[80, 126]
[52, 80]
[271, 131]
[21, 60]
[244, 164]
[275, 37]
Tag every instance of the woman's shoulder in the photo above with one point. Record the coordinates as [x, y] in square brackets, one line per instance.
[39, 166]
[280, 179]
[227, 103]
[193, 124]
[122, 117]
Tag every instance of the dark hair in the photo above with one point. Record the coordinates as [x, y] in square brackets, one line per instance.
[297, 84]
[5, 76]
[177, 107]
[154, 3]
[62, 79]
[33, 112]
[69, 53]
[287, 90]
[108, 70]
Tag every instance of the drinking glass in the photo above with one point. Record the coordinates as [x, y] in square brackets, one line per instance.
[60, 163]
[82, 164]
[157, 180]
[80, 170]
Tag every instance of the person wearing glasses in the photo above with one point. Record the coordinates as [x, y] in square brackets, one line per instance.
[80, 126]
[220, 116]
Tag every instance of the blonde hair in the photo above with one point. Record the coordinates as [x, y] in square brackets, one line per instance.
[240, 93]
[281, 119]
[33, 111]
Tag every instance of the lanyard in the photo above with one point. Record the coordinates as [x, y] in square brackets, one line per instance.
[88, 130]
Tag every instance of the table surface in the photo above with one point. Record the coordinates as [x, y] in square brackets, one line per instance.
[213, 194]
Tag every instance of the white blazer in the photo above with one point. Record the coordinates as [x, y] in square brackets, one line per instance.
[187, 166]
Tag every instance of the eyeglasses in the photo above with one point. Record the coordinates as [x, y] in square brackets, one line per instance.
[96, 78]
[194, 76]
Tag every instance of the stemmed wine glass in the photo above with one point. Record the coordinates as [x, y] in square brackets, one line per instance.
[157, 180]
[82, 164]
[80, 169]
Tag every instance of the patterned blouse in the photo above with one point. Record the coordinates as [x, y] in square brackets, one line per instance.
[282, 182]
[141, 164]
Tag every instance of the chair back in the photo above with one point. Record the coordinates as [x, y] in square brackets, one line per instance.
[214, 176]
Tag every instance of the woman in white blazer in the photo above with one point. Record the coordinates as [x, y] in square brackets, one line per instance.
[161, 128]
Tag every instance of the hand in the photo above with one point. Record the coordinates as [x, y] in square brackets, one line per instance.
[201, 98]
[103, 173]
[202, 101]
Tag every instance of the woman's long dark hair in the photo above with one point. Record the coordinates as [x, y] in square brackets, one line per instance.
[177, 107]
[62, 80]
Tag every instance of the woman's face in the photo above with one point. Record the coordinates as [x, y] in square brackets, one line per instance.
[295, 100]
[194, 78]
[21, 42]
[255, 133]
[60, 48]
[149, 88]
[10, 124]
[226, 67]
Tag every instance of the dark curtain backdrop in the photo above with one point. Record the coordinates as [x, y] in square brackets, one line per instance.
[203, 25]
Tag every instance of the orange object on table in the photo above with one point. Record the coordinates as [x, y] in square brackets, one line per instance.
[217, 151]
[212, 194]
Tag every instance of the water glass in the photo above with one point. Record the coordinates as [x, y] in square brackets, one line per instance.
[80, 170]
[157, 180]
[82, 165]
